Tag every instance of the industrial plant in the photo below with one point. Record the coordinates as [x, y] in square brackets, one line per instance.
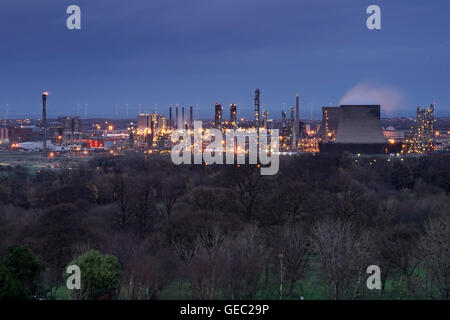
[353, 129]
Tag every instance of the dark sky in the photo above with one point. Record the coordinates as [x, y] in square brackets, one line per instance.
[205, 51]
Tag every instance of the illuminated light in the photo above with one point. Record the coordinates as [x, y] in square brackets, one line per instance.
[46, 93]
[51, 155]
[110, 128]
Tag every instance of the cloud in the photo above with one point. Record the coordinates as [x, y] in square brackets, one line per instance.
[390, 98]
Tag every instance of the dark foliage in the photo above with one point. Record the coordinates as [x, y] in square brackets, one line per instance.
[213, 232]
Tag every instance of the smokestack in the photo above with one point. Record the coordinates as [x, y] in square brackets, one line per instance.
[176, 118]
[182, 117]
[265, 118]
[44, 122]
[233, 115]
[152, 124]
[170, 117]
[218, 116]
[293, 137]
[257, 104]
[297, 120]
[191, 116]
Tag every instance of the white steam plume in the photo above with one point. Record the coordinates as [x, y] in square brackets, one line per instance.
[388, 97]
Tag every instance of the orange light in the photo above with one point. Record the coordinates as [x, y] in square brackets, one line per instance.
[46, 93]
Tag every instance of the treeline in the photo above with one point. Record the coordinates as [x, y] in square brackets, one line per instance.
[161, 231]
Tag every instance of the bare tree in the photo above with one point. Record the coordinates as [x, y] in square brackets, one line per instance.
[171, 190]
[247, 180]
[244, 265]
[147, 275]
[435, 249]
[144, 207]
[343, 254]
[207, 266]
[122, 194]
[295, 250]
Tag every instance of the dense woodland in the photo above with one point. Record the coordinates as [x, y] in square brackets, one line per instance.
[147, 229]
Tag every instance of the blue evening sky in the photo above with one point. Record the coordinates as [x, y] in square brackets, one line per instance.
[198, 52]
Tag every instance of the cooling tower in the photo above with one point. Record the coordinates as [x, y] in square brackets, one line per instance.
[358, 130]
[360, 124]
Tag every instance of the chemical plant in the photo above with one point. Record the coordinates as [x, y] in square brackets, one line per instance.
[355, 129]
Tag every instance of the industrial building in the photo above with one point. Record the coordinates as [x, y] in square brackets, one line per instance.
[348, 128]
[422, 134]
[359, 130]
[151, 121]
[329, 125]
[218, 116]
[233, 115]
[72, 130]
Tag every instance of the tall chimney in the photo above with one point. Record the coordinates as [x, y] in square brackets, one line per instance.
[182, 117]
[233, 115]
[296, 124]
[191, 116]
[293, 137]
[170, 117]
[257, 116]
[44, 123]
[176, 118]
